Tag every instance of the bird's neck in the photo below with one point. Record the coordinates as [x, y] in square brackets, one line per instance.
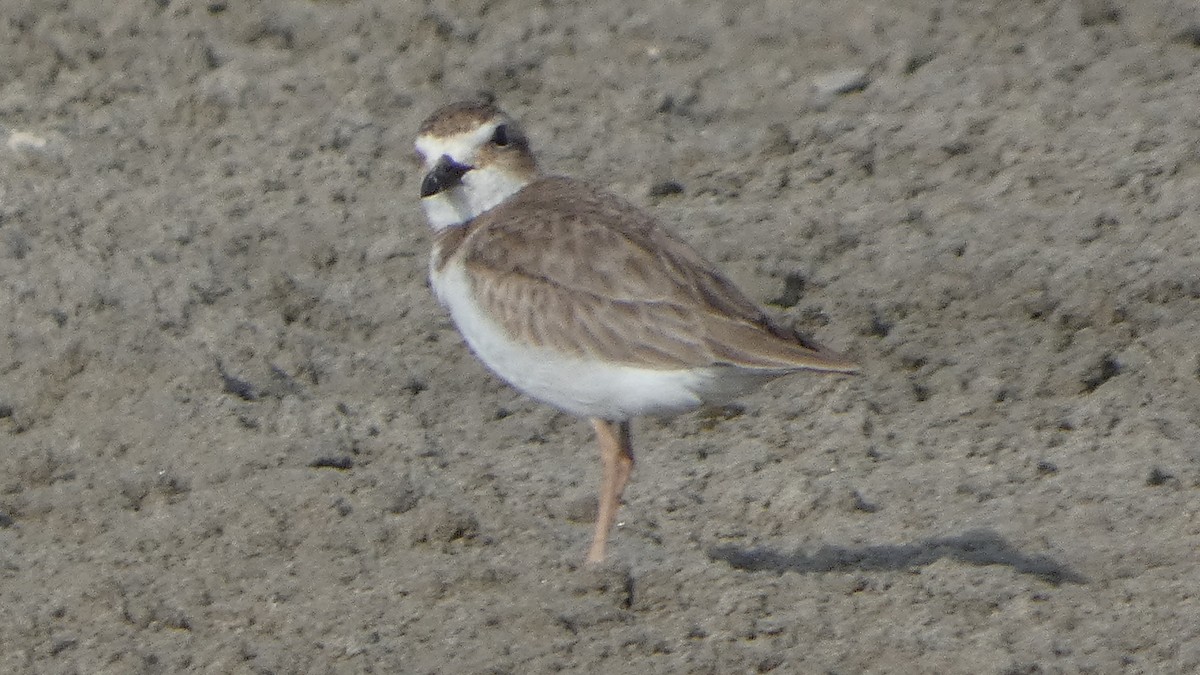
[481, 191]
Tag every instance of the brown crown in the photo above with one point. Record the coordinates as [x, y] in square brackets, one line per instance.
[458, 117]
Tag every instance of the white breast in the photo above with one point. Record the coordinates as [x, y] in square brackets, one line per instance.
[580, 386]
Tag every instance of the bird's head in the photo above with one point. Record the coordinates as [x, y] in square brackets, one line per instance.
[474, 157]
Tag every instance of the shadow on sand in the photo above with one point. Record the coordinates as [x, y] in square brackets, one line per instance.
[975, 547]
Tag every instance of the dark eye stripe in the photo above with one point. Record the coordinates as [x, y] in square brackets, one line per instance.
[500, 136]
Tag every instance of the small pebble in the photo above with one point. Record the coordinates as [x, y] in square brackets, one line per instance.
[840, 82]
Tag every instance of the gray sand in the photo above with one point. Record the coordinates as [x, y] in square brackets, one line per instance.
[238, 435]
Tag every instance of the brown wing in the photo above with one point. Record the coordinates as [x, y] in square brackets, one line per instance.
[564, 265]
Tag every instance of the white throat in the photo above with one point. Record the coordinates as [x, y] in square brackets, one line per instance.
[481, 189]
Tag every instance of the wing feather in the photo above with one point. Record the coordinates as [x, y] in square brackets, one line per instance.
[566, 266]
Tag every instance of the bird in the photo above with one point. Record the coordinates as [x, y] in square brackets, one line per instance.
[581, 300]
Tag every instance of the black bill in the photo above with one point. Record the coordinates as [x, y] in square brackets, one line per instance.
[445, 174]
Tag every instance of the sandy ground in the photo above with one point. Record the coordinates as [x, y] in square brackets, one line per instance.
[238, 435]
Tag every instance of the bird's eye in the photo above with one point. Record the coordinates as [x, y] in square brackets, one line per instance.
[500, 136]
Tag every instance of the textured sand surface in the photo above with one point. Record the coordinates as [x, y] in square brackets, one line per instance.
[238, 435]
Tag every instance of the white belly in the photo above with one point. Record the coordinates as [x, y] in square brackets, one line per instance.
[580, 386]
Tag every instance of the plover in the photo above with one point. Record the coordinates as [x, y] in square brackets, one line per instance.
[581, 300]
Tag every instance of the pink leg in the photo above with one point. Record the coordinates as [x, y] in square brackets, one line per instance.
[616, 452]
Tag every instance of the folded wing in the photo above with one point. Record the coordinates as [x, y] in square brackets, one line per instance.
[566, 266]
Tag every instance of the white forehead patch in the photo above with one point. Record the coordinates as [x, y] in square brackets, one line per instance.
[461, 147]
